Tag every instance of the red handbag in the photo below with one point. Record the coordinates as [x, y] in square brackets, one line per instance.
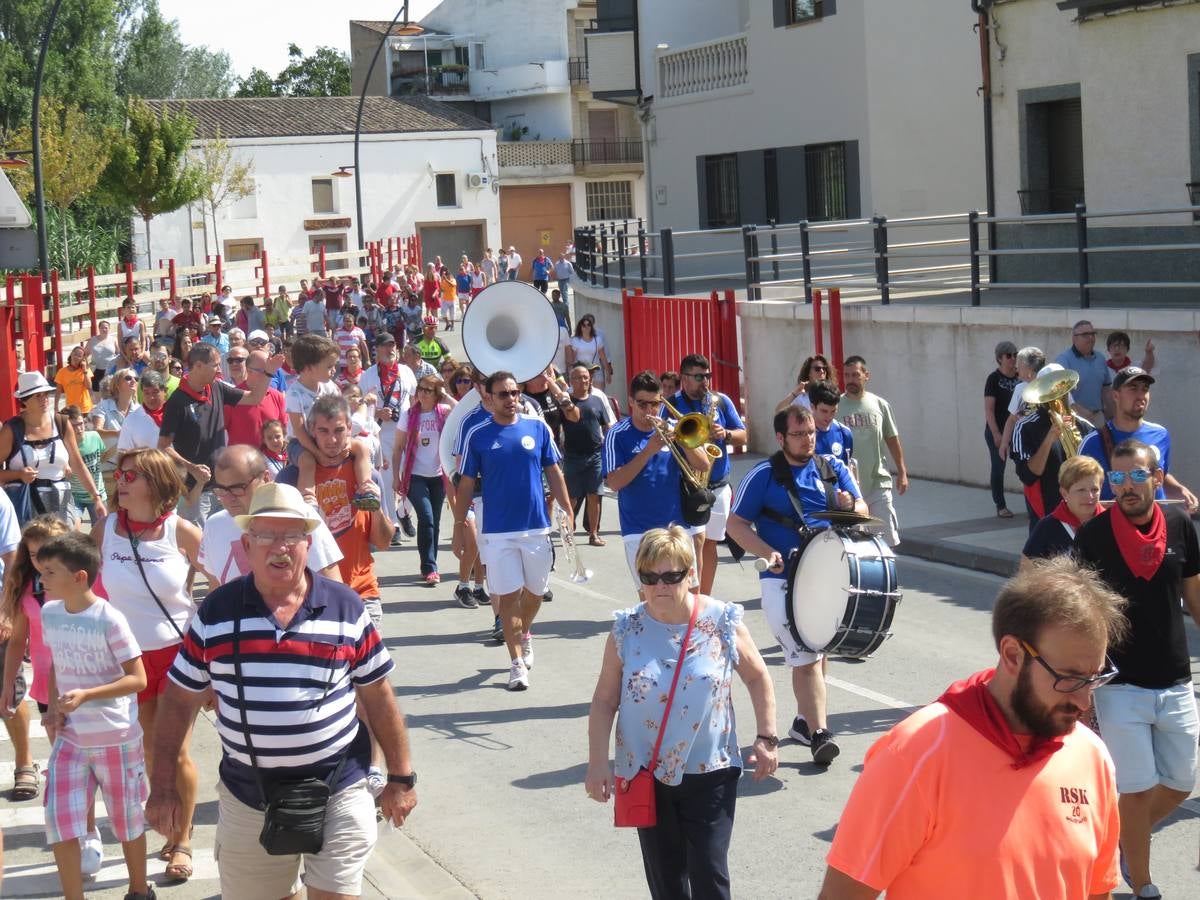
[633, 798]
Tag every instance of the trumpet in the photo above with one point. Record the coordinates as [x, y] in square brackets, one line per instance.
[566, 534]
[690, 431]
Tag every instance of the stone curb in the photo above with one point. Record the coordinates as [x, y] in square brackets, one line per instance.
[977, 559]
[407, 872]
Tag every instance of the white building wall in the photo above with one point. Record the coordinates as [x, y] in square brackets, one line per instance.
[1132, 72]
[683, 22]
[548, 116]
[515, 31]
[399, 191]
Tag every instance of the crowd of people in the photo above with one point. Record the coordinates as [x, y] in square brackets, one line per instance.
[274, 448]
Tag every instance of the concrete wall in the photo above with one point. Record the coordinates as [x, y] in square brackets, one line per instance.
[1133, 75]
[547, 116]
[515, 31]
[930, 363]
[398, 190]
[363, 43]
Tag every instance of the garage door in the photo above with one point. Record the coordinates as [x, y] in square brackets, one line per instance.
[450, 242]
[535, 216]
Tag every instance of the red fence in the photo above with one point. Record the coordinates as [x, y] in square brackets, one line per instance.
[660, 331]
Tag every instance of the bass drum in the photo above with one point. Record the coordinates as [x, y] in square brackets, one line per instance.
[841, 592]
[450, 429]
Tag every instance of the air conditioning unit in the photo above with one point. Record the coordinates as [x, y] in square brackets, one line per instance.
[477, 179]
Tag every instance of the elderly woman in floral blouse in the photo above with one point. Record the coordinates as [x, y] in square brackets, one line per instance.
[696, 775]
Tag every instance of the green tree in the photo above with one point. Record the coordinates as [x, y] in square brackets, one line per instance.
[75, 151]
[150, 170]
[257, 84]
[204, 73]
[226, 178]
[326, 73]
[150, 61]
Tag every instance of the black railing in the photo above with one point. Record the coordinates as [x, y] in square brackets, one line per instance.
[448, 79]
[606, 152]
[577, 67]
[1045, 201]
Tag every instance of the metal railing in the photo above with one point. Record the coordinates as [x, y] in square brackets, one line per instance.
[577, 69]
[918, 256]
[606, 152]
[447, 79]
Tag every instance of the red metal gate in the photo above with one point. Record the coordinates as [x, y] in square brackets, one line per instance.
[660, 331]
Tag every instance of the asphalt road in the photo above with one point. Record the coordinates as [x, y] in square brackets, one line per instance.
[502, 810]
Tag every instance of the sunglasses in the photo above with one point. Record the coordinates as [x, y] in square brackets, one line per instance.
[699, 376]
[664, 577]
[506, 395]
[237, 360]
[463, 381]
[126, 476]
[128, 378]
[1137, 476]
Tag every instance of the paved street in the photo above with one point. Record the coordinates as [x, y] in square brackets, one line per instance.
[502, 811]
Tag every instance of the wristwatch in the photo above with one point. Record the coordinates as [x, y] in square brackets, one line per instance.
[770, 740]
[410, 780]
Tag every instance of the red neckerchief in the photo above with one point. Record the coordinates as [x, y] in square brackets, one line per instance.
[204, 397]
[973, 702]
[281, 456]
[1063, 513]
[387, 375]
[1143, 552]
[131, 320]
[352, 378]
[133, 527]
[157, 414]
[1118, 366]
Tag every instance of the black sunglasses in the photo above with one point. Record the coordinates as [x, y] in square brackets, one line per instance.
[664, 577]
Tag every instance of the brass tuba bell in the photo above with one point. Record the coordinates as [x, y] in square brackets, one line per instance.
[1049, 391]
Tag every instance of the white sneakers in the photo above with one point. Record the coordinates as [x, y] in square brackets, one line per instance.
[518, 676]
[91, 854]
[527, 650]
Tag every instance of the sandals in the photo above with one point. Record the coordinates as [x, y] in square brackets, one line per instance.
[1004, 513]
[180, 871]
[25, 783]
[596, 541]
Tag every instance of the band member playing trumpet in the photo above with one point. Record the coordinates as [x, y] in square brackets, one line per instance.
[764, 521]
[643, 468]
[510, 451]
[695, 395]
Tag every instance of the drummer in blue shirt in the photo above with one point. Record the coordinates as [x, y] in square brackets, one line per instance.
[695, 395]
[764, 521]
[1092, 397]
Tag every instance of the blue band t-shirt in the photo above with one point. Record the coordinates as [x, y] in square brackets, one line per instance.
[511, 459]
[651, 500]
[1148, 433]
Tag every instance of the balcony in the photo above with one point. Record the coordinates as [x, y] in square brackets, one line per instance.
[448, 80]
[541, 158]
[711, 66]
[607, 155]
[577, 67]
[1046, 201]
[527, 79]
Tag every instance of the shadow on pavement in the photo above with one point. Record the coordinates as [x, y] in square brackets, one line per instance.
[867, 721]
[554, 779]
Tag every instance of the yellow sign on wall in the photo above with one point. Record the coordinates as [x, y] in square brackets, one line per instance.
[544, 238]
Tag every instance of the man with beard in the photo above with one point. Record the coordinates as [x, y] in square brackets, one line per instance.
[869, 418]
[764, 522]
[996, 790]
[1131, 396]
[1149, 554]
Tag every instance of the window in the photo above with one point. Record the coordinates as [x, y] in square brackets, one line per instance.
[1051, 121]
[826, 183]
[721, 191]
[246, 207]
[798, 12]
[323, 198]
[447, 190]
[478, 60]
[609, 200]
[462, 56]
[771, 184]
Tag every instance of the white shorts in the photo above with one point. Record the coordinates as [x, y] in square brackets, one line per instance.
[879, 502]
[715, 529]
[774, 598]
[516, 562]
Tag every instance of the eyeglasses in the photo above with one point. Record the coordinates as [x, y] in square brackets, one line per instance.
[126, 476]
[422, 389]
[1084, 334]
[506, 395]
[647, 404]
[235, 489]
[664, 577]
[288, 539]
[699, 376]
[803, 434]
[1137, 476]
[1069, 684]
[463, 381]
[237, 360]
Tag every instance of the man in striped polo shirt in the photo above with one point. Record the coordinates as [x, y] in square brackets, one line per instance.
[306, 651]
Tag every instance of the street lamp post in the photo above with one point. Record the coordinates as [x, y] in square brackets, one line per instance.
[39, 194]
[362, 99]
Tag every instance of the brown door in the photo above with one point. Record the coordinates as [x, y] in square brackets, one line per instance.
[242, 250]
[332, 244]
[534, 216]
[602, 135]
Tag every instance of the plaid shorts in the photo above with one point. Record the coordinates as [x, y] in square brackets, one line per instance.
[73, 774]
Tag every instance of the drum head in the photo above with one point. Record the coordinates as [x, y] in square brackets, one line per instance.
[820, 590]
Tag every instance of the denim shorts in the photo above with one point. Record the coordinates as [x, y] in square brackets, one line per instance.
[1151, 734]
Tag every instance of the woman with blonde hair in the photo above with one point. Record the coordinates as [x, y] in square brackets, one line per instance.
[145, 551]
[1079, 482]
[667, 678]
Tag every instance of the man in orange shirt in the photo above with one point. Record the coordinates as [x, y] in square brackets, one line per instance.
[996, 790]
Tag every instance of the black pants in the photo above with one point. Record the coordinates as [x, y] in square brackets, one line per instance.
[686, 854]
[997, 481]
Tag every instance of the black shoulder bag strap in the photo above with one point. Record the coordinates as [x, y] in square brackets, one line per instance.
[137, 558]
[828, 478]
[1108, 442]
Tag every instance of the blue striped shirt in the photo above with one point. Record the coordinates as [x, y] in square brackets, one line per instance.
[298, 682]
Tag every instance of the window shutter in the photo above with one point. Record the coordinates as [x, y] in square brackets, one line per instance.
[702, 191]
[781, 12]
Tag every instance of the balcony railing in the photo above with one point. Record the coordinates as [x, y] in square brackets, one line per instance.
[578, 66]
[621, 151]
[704, 67]
[1045, 201]
[526, 154]
[448, 79]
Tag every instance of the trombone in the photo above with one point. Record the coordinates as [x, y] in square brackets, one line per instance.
[690, 431]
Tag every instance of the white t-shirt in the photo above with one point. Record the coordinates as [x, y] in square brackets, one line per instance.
[138, 430]
[314, 315]
[88, 649]
[426, 460]
[401, 398]
[587, 352]
[300, 399]
[223, 557]
[514, 261]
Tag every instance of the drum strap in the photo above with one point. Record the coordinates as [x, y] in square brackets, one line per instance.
[781, 471]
